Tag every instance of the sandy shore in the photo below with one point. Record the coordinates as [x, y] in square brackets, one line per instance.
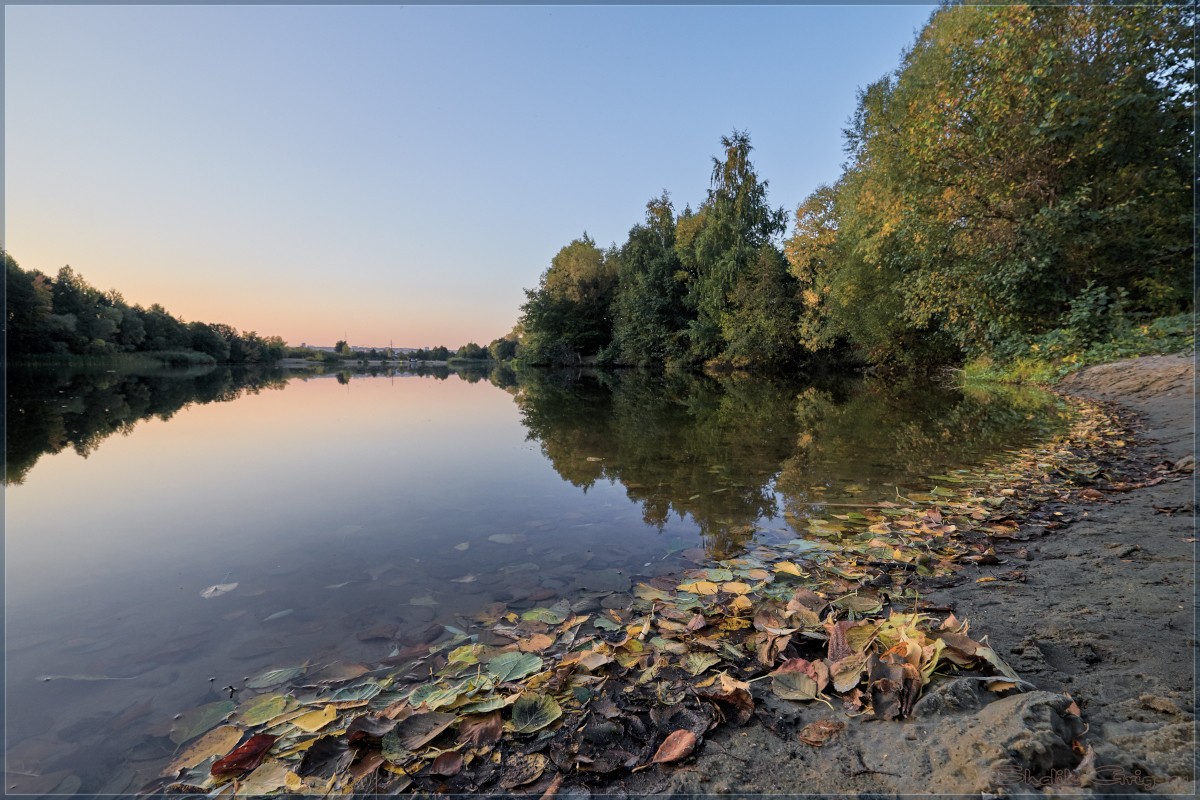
[1103, 624]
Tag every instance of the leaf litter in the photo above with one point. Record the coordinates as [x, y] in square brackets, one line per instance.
[553, 690]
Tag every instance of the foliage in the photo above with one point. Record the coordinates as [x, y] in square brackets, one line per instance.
[1023, 168]
[649, 314]
[567, 317]
[66, 316]
[1052, 355]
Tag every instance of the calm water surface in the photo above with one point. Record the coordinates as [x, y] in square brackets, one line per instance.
[356, 513]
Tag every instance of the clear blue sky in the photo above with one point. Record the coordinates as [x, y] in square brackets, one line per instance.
[398, 173]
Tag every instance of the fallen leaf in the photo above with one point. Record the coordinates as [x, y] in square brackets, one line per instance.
[480, 730]
[274, 677]
[313, 721]
[521, 769]
[816, 734]
[328, 758]
[679, 744]
[700, 587]
[260, 709]
[513, 666]
[217, 590]
[245, 758]
[216, 742]
[532, 712]
[196, 721]
[420, 729]
[447, 764]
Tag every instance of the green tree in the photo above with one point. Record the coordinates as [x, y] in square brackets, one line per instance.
[650, 313]
[1019, 156]
[717, 244]
[759, 322]
[568, 315]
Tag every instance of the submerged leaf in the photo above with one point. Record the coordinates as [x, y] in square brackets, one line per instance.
[794, 686]
[216, 742]
[816, 734]
[218, 590]
[274, 677]
[480, 730]
[196, 721]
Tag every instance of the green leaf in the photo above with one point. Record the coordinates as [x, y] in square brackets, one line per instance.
[695, 663]
[720, 575]
[514, 666]
[532, 712]
[551, 616]
[275, 677]
[261, 709]
[196, 721]
[606, 624]
[363, 691]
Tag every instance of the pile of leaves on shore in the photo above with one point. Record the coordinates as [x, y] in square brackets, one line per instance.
[518, 701]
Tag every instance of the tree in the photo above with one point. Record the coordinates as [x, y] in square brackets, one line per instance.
[649, 310]
[716, 244]
[759, 322]
[1020, 157]
[341, 347]
[567, 316]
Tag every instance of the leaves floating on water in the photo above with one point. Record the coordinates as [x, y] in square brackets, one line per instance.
[216, 742]
[274, 677]
[513, 666]
[217, 590]
[245, 758]
[191, 724]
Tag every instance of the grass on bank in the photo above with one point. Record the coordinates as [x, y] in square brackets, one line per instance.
[1052, 356]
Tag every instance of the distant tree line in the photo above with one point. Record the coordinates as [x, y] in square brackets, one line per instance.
[66, 316]
[1025, 170]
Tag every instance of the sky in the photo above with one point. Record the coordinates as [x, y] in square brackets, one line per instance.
[399, 174]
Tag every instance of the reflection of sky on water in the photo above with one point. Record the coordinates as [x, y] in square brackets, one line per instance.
[407, 501]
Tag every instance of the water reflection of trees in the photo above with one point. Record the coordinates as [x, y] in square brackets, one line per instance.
[50, 410]
[700, 447]
[725, 450]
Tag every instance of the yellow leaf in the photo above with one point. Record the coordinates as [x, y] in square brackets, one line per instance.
[788, 568]
[741, 603]
[293, 782]
[758, 574]
[216, 742]
[699, 587]
[734, 623]
[315, 720]
[735, 587]
[984, 580]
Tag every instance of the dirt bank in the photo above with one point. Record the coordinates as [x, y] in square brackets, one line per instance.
[1102, 625]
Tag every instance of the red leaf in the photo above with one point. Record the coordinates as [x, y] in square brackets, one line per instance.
[244, 758]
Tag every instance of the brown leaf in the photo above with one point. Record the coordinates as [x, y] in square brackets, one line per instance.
[447, 764]
[735, 698]
[369, 727]
[1091, 495]
[420, 729]
[838, 647]
[679, 744]
[366, 766]
[521, 769]
[480, 729]
[817, 670]
[245, 758]
[697, 622]
[535, 643]
[818, 733]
